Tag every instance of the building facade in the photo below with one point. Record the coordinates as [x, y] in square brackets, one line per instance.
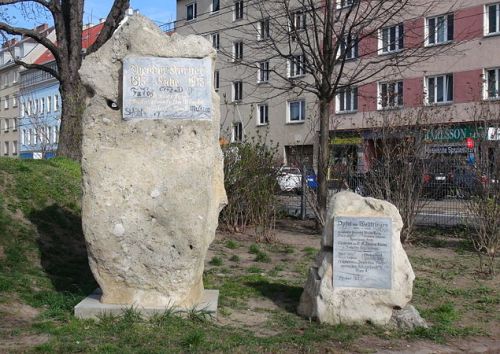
[40, 104]
[452, 76]
[26, 50]
[251, 106]
[39, 114]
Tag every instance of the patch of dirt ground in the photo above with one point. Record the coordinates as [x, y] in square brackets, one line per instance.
[14, 317]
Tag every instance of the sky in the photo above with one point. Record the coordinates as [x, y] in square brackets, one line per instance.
[160, 11]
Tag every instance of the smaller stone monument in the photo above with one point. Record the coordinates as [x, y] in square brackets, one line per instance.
[362, 272]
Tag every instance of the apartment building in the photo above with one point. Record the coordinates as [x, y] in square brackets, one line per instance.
[245, 80]
[450, 66]
[40, 102]
[26, 50]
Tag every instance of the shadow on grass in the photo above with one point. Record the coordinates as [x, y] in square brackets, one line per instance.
[307, 227]
[454, 238]
[285, 296]
[62, 249]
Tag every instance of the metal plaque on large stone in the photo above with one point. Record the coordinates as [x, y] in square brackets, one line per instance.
[362, 252]
[167, 88]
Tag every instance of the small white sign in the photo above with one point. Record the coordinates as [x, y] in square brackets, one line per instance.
[493, 133]
[362, 252]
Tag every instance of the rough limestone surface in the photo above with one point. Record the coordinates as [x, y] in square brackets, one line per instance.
[407, 318]
[320, 300]
[152, 188]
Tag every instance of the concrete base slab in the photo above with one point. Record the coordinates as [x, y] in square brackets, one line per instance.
[91, 306]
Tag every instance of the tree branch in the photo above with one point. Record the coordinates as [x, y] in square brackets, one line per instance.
[49, 4]
[115, 16]
[39, 67]
[43, 40]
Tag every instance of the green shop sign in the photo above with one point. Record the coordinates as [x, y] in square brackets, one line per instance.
[346, 140]
[453, 134]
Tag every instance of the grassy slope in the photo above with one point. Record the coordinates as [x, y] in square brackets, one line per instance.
[43, 264]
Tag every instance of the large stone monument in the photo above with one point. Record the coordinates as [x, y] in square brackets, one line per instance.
[152, 168]
[362, 272]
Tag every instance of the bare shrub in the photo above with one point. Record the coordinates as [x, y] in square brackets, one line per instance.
[397, 164]
[250, 182]
[483, 188]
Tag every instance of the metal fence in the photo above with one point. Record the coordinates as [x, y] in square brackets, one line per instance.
[445, 190]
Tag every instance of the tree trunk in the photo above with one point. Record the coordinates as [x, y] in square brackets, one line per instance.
[323, 156]
[73, 97]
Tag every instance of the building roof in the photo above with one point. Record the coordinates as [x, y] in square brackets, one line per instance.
[89, 35]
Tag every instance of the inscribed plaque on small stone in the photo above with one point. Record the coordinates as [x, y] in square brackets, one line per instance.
[362, 252]
[167, 88]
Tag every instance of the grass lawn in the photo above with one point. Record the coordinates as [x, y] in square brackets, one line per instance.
[44, 273]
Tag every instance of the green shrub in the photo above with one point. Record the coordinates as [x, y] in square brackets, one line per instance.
[254, 249]
[231, 244]
[250, 182]
[216, 261]
[262, 257]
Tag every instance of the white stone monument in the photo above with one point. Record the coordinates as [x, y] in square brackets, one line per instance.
[152, 169]
[362, 272]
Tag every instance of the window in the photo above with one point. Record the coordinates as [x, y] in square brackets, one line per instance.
[238, 10]
[439, 29]
[49, 103]
[439, 89]
[216, 80]
[30, 108]
[263, 72]
[28, 137]
[46, 137]
[347, 100]
[237, 51]
[492, 83]
[296, 111]
[298, 21]
[6, 125]
[56, 103]
[23, 109]
[263, 30]
[345, 3]
[23, 137]
[215, 5]
[237, 91]
[13, 124]
[296, 66]
[215, 40]
[14, 101]
[6, 148]
[390, 94]
[42, 105]
[14, 147]
[262, 114]
[349, 47]
[56, 132]
[492, 19]
[391, 39]
[6, 102]
[191, 11]
[35, 107]
[237, 133]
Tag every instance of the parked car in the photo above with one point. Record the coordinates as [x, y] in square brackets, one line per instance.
[436, 179]
[289, 179]
[467, 181]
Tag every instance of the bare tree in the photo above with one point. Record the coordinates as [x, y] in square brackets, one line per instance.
[67, 16]
[326, 47]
